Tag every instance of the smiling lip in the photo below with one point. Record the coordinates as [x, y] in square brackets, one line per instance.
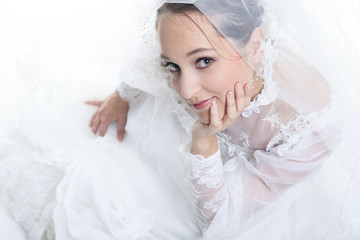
[203, 104]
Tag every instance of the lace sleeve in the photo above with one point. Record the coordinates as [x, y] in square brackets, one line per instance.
[206, 182]
[257, 182]
[127, 93]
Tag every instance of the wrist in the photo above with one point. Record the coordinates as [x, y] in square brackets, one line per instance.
[116, 95]
[204, 146]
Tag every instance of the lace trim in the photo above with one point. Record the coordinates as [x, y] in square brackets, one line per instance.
[268, 93]
[265, 97]
[271, 54]
[206, 171]
[288, 135]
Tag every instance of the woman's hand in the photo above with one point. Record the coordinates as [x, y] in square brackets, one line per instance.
[204, 140]
[112, 109]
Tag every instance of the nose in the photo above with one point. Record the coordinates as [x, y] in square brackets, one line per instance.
[190, 85]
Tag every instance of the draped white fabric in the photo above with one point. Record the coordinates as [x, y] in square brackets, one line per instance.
[286, 169]
[291, 128]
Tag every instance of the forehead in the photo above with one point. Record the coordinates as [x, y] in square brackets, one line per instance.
[178, 33]
[182, 30]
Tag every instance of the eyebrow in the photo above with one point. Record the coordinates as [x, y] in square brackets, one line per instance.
[189, 54]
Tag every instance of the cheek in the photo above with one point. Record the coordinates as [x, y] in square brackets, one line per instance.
[176, 86]
[225, 76]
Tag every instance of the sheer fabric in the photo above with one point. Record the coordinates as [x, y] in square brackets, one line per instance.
[286, 165]
[267, 159]
[288, 131]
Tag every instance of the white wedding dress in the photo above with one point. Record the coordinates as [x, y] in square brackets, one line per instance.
[280, 173]
[58, 180]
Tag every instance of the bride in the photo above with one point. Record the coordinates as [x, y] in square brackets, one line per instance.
[236, 131]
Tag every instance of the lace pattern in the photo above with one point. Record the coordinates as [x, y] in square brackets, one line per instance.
[271, 54]
[203, 171]
[265, 97]
[288, 135]
[212, 204]
[206, 182]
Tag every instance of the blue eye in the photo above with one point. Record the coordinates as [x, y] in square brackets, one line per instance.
[203, 62]
[172, 67]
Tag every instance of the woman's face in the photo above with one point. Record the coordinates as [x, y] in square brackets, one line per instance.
[199, 74]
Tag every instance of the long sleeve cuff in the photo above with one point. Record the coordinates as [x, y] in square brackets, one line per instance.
[208, 171]
[127, 92]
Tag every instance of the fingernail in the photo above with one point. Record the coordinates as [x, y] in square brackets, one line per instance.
[214, 104]
[239, 86]
[248, 87]
[230, 93]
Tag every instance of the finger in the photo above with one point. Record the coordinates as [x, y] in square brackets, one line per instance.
[92, 119]
[215, 122]
[121, 135]
[239, 97]
[103, 128]
[94, 102]
[230, 106]
[96, 124]
[121, 129]
[248, 91]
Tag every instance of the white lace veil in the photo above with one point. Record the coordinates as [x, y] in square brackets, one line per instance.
[311, 70]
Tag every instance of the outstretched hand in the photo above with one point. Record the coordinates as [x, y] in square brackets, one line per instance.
[112, 109]
[204, 135]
